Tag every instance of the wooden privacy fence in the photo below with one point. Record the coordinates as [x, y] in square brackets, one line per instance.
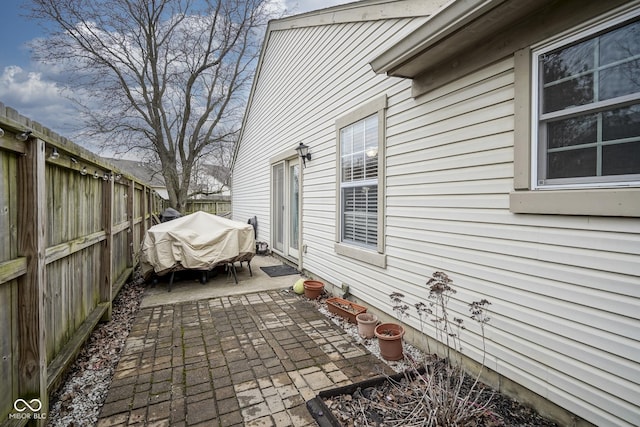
[70, 230]
[220, 205]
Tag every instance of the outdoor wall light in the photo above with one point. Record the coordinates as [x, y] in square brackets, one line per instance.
[83, 171]
[54, 154]
[23, 136]
[95, 175]
[1, 132]
[105, 177]
[303, 152]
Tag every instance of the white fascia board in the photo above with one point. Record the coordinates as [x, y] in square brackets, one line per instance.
[361, 11]
[448, 20]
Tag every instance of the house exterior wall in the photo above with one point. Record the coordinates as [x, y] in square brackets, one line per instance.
[564, 289]
[295, 99]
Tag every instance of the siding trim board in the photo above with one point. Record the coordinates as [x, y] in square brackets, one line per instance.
[564, 287]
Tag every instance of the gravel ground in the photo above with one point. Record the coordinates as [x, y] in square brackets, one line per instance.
[78, 400]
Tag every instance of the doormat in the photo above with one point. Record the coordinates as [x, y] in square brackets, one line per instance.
[279, 270]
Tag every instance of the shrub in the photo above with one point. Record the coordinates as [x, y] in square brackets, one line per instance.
[443, 395]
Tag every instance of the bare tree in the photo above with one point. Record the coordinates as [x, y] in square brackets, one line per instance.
[165, 78]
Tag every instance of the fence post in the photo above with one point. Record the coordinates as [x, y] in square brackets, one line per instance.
[32, 350]
[106, 273]
[144, 211]
[147, 196]
[131, 194]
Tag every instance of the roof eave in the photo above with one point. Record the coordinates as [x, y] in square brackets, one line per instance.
[459, 24]
[449, 19]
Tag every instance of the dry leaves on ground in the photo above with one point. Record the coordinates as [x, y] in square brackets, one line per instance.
[78, 400]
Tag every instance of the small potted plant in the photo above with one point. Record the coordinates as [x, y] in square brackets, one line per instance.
[366, 324]
[345, 308]
[313, 289]
[390, 334]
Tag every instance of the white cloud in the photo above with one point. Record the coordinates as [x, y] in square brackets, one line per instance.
[276, 7]
[25, 86]
[36, 98]
[39, 91]
[302, 6]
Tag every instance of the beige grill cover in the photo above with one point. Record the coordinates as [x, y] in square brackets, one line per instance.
[198, 241]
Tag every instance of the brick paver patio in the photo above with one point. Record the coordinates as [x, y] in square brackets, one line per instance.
[244, 360]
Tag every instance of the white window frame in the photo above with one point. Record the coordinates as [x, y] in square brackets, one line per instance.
[359, 185]
[538, 152]
[368, 254]
[527, 198]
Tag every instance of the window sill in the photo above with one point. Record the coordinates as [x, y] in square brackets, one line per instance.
[369, 257]
[600, 202]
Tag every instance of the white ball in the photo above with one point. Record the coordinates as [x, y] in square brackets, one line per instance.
[298, 287]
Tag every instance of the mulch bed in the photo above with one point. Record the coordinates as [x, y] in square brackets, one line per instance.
[369, 405]
[396, 403]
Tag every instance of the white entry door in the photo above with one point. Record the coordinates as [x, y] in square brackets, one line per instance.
[285, 209]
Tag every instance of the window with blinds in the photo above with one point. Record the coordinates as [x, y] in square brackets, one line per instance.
[359, 182]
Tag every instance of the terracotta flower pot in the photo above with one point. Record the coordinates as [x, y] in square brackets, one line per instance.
[345, 308]
[390, 340]
[366, 324]
[313, 289]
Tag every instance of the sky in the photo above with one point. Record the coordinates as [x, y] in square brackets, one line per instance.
[29, 87]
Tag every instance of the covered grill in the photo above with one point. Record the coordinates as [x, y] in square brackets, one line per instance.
[199, 241]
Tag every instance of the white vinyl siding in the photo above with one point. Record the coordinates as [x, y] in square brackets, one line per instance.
[564, 288]
[304, 107]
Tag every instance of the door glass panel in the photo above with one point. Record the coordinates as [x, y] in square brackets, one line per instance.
[278, 206]
[294, 194]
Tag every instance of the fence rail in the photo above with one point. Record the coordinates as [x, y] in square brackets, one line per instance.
[71, 226]
[220, 205]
